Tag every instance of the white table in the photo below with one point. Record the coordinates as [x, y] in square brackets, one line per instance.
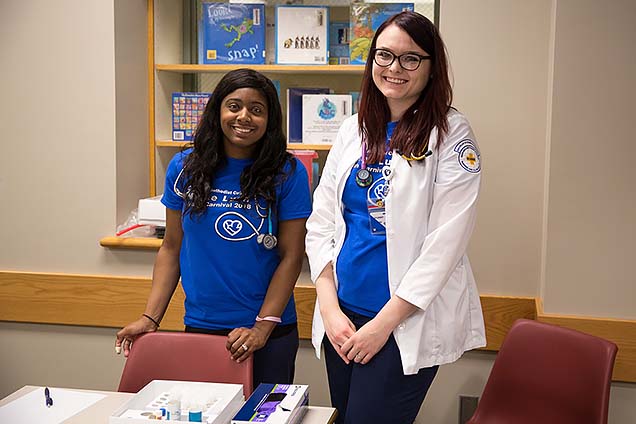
[102, 409]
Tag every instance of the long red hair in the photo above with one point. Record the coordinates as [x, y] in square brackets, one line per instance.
[429, 111]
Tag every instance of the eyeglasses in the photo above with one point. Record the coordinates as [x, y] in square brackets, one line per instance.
[408, 61]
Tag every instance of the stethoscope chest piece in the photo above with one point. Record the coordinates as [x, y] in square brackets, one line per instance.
[364, 178]
[268, 241]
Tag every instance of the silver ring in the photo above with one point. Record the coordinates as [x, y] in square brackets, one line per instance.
[245, 348]
[357, 356]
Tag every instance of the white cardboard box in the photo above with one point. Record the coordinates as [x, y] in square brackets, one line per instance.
[275, 404]
[151, 211]
[223, 401]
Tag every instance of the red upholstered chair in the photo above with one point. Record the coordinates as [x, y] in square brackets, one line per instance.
[546, 374]
[184, 357]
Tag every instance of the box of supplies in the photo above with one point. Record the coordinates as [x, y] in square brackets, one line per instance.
[275, 404]
[184, 401]
[151, 211]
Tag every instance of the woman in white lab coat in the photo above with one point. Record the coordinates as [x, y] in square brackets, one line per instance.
[387, 238]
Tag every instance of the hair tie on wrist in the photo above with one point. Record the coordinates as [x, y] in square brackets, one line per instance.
[268, 318]
[154, 321]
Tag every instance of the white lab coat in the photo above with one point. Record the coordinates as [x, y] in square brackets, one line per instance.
[430, 215]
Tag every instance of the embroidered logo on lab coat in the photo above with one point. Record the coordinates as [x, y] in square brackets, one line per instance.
[468, 156]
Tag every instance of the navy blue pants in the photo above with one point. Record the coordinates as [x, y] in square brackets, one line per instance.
[276, 361]
[377, 392]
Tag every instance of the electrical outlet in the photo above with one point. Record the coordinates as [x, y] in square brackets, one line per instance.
[467, 407]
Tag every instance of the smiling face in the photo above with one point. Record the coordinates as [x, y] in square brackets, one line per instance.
[400, 87]
[243, 122]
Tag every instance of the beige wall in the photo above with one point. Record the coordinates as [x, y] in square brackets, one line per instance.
[592, 194]
[546, 84]
[499, 56]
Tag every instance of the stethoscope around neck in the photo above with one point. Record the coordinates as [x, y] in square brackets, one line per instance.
[268, 240]
[364, 178]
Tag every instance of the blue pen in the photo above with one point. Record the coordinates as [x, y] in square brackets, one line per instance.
[48, 398]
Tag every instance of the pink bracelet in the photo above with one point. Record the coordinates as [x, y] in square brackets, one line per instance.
[272, 319]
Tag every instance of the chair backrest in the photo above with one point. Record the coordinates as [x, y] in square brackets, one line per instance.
[548, 374]
[165, 355]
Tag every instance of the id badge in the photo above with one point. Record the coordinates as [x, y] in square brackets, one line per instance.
[377, 217]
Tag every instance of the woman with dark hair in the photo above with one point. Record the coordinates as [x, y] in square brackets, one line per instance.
[236, 207]
[387, 237]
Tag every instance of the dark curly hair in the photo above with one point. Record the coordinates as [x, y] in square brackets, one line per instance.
[432, 106]
[208, 155]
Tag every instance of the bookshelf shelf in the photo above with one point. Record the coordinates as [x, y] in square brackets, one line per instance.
[301, 146]
[131, 242]
[290, 146]
[272, 69]
[170, 143]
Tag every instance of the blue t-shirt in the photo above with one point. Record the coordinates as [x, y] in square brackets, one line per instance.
[225, 273]
[362, 266]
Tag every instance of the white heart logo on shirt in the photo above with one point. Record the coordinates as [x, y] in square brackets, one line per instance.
[232, 226]
[379, 191]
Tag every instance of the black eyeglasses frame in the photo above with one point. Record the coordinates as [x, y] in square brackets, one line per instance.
[399, 59]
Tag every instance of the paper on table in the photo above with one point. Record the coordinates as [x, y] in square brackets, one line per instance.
[31, 408]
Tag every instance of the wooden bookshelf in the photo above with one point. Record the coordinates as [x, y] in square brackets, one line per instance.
[273, 69]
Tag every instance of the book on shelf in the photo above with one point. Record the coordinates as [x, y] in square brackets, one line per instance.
[365, 20]
[295, 111]
[322, 116]
[339, 43]
[232, 33]
[270, 38]
[187, 109]
[355, 101]
[302, 36]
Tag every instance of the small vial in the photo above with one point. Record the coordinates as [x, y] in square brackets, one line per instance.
[173, 410]
[195, 414]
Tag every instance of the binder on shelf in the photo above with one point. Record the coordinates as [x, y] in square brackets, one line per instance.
[306, 157]
[232, 33]
[187, 109]
[365, 20]
[295, 111]
[302, 36]
[322, 116]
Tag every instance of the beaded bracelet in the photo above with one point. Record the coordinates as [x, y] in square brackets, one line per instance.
[154, 321]
[269, 318]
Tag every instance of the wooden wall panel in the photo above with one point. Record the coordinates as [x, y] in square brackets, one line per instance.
[621, 332]
[110, 301]
[499, 314]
